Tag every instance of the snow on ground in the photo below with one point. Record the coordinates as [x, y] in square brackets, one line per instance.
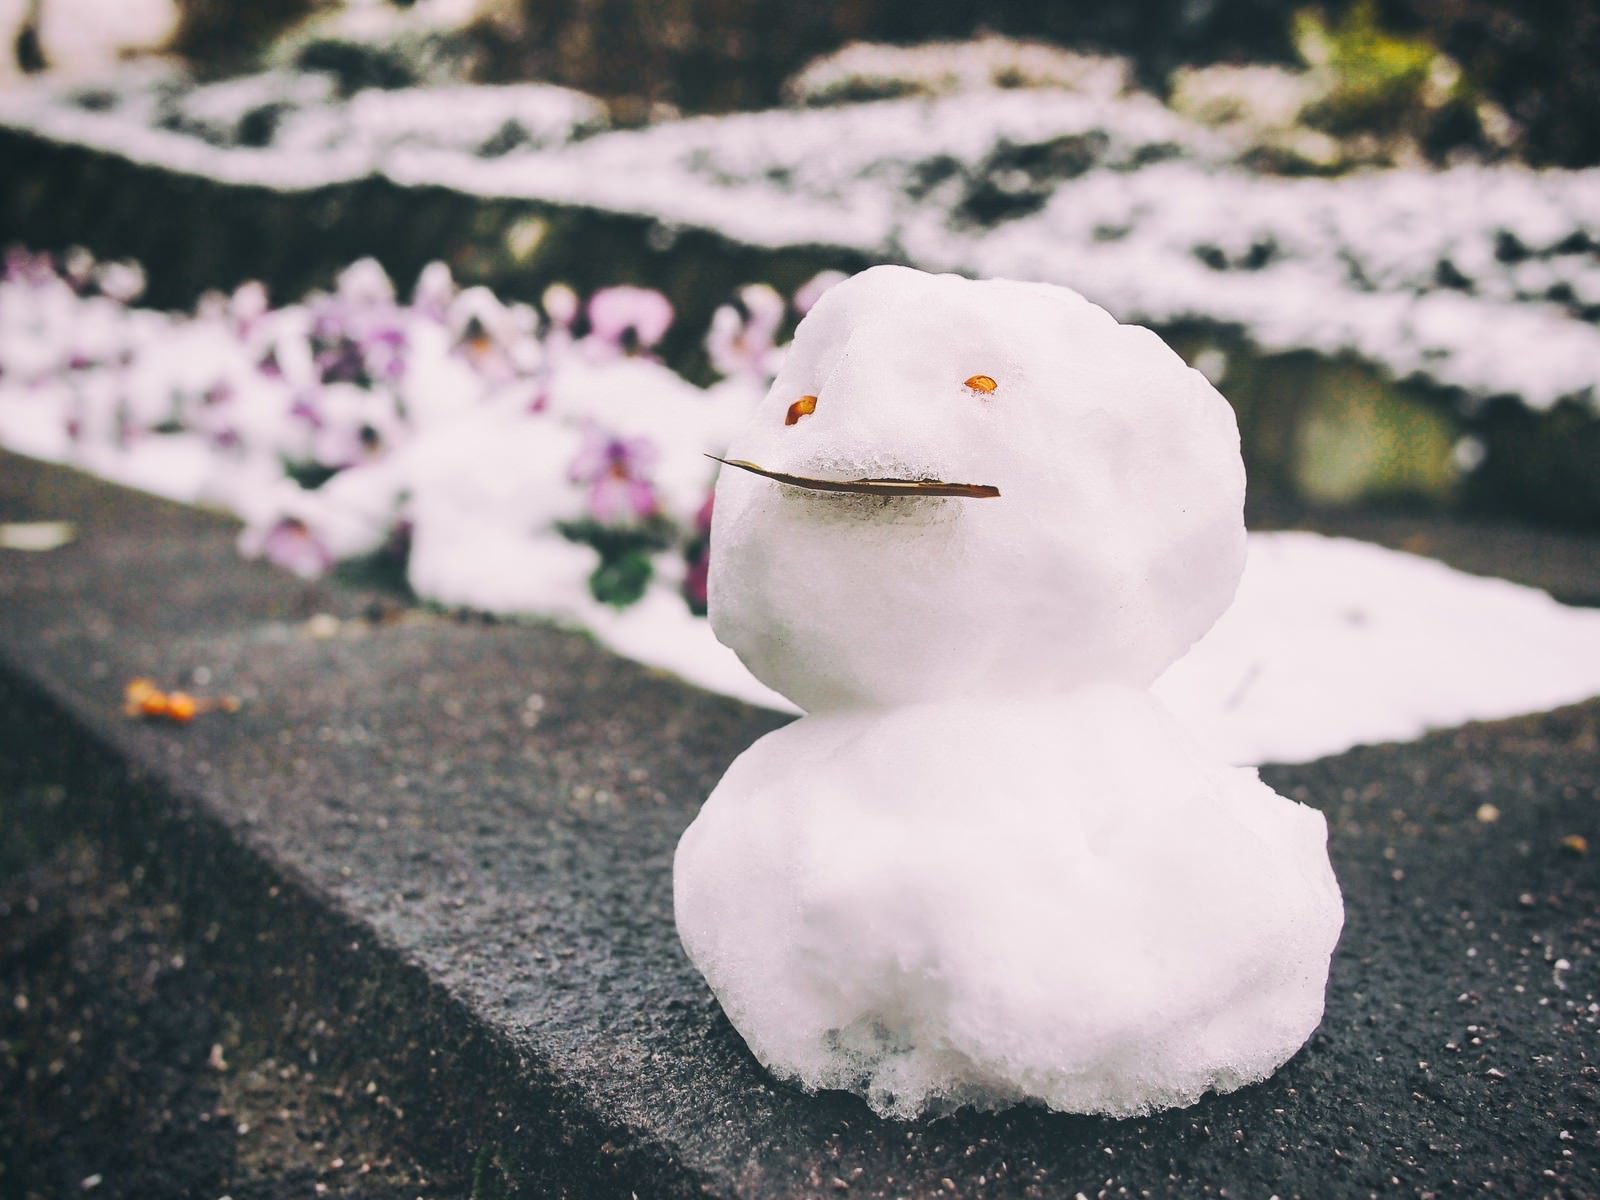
[1448, 276]
[85, 38]
[530, 468]
[1333, 643]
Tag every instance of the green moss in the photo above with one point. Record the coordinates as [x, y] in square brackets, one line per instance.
[1377, 79]
[1330, 432]
[1361, 437]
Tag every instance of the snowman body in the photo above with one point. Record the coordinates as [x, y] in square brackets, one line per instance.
[986, 866]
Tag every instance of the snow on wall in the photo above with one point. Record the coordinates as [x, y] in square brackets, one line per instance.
[1485, 279]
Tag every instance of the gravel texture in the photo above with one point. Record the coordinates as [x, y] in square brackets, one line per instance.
[437, 853]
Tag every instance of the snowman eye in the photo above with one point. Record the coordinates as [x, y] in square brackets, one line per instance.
[802, 407]
[981, 385]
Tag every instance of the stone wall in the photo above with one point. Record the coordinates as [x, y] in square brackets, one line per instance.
[1539, 62]
[725, 54]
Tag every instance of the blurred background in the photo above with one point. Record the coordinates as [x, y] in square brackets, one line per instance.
[1375, 225]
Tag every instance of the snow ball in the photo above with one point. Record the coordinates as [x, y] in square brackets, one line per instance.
[1056, 900]
[1116, 541]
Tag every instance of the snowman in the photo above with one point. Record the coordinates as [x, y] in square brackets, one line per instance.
[968, 527]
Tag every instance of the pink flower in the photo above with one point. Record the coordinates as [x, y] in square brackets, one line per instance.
[291, 544]
[628, 320]
[616, 472]
[742, 336]
[23, 266]
[247, 306]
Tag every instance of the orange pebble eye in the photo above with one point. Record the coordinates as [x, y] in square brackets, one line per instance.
[981, 385]
[802, 407]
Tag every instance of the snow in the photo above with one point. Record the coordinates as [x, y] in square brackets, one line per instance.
[987, 866]
[1439, 275]
[289, 130]
[863, 70]
[1333, 643]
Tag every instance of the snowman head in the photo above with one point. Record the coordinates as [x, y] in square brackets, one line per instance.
[1115, 541]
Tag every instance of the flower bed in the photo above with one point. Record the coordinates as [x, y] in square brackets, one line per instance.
[503, 457]
[541, 461]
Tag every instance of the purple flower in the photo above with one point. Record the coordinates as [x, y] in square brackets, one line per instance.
[291, 544]
[358, 335]
[23, 266]
[368, 349]
[616, 472]
[383, 346]
[627, 320]
[341, 361]
[305, 409]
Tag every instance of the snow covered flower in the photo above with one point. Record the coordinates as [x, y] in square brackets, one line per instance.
[359, 334]
[617, 475]
[120, 281]
[742, 338]
[77, 268]
[627, 320]
[434, 292]
[286, 354]
[349, 425]
[354, 344]
[561, 308]
[288, 542]
[497, 340]
[365, 284]
[383, 345]
[560, 304]
[247, 306]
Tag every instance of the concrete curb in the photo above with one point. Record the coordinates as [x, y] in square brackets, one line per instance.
[462, 894]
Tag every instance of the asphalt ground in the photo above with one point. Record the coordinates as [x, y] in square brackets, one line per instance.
[429, 861]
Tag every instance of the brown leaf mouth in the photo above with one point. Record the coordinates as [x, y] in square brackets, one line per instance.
[869, 487]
